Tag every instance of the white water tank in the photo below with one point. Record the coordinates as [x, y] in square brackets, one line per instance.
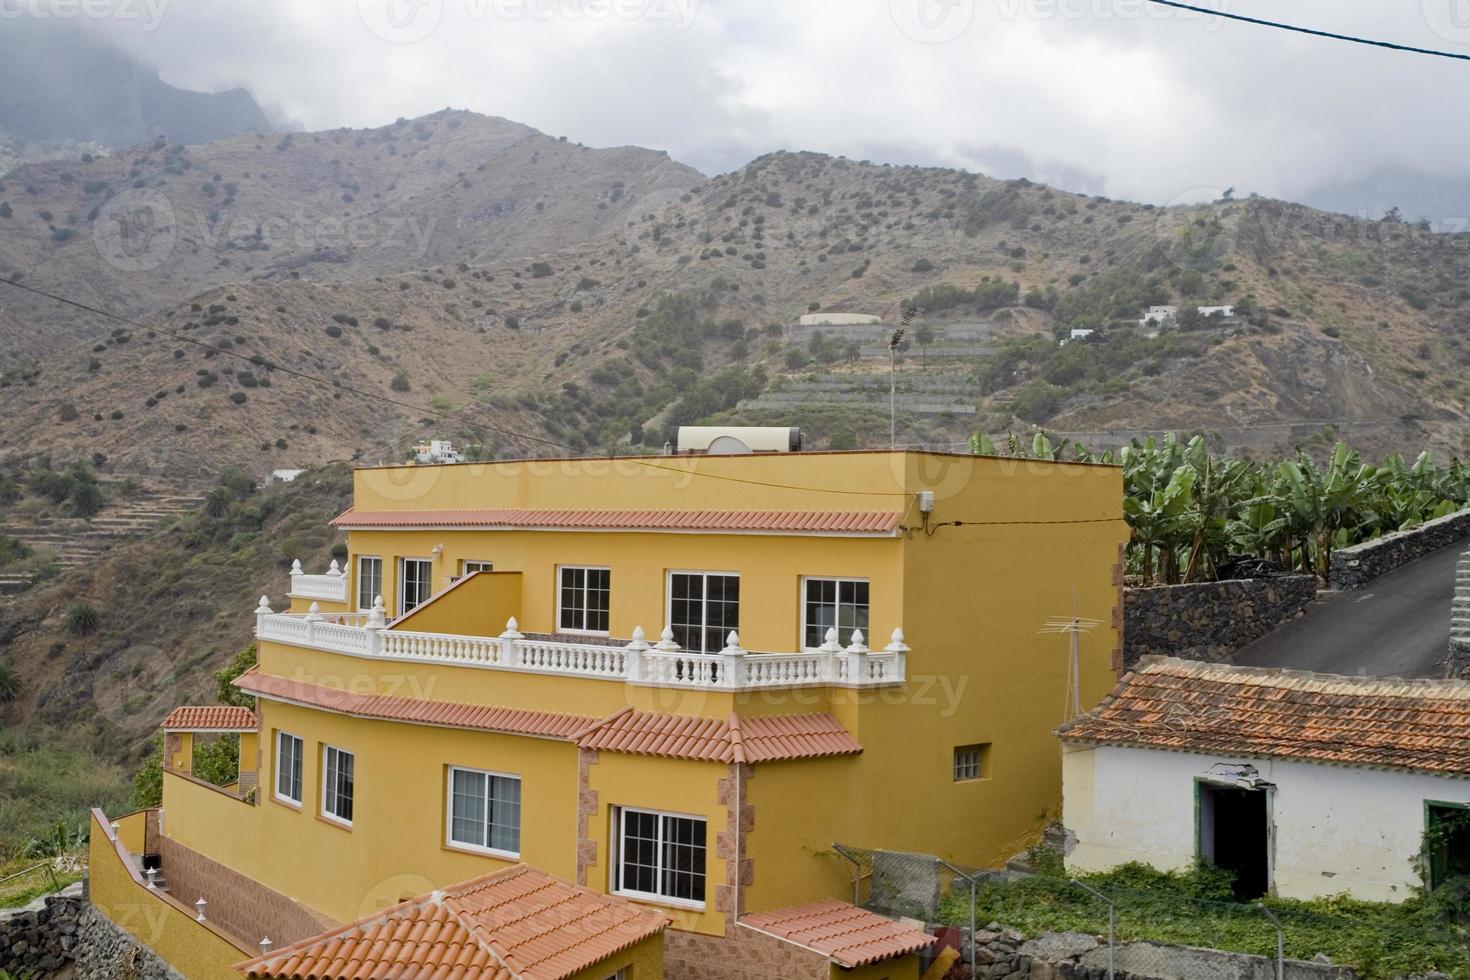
[730, 440]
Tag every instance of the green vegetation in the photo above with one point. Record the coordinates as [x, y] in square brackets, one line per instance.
[1195, 908]
[1192, 511]
[49, 780]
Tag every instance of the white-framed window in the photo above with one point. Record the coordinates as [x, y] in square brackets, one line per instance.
[415, 583]
[833, 602]
[584, 597]
[969, 762]
[703, 608]
[337, 766]
[485, 811]
[369, 580]
[288, 767]
[660, 856]
[470, 567]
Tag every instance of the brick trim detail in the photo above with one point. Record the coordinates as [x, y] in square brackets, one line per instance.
[743, 954]
[739, 868]
[1117, 661]
[586, 812]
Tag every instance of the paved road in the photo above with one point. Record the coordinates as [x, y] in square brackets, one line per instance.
[1398, 625]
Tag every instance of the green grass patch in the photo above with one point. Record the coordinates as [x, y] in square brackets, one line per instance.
[1195, 908]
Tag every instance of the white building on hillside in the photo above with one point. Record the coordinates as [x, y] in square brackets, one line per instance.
[437, 451]
[1219, 311]
[838, 319]
[1304, 785]
[1158, 314]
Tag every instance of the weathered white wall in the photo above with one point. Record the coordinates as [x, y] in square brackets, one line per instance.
[1336, 829]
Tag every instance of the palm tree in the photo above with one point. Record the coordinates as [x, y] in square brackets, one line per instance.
[924, 336]
[82, 619]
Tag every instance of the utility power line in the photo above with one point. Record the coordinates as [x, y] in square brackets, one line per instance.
[1313, 32]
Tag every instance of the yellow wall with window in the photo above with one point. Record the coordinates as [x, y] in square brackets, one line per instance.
[397, 844]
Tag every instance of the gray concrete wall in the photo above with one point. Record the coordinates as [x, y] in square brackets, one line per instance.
[1360, 564]
[1209, 620]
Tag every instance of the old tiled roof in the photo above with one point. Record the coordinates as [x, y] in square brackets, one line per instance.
[209, 718]
[849, 936]
[736, 739]
[748, 740]
[769, 521]
[1260, 712]
[517, 923]
[513, 721]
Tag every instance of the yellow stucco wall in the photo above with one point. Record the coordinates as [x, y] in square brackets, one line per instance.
[478, 605]
[195, 949]
[901, 968]
[645, 961]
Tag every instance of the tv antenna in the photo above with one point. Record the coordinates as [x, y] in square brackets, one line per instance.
[1074, 626]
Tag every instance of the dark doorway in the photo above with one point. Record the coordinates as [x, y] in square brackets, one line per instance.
[1447, 839]
[1234, 835]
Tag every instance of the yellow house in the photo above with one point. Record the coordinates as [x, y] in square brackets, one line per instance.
[674, 680]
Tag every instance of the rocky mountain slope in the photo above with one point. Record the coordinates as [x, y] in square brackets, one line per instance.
[561, 298]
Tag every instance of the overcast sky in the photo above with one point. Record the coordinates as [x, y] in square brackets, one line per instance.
[1109, 96]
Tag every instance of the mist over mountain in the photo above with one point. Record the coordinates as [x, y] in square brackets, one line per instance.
[61, 88]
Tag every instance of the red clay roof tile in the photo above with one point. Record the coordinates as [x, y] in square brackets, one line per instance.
[1260, 712]
[209, 718]
[773, 521]
[518, 922]
[514, 721]
[773, 738]
[851, 937]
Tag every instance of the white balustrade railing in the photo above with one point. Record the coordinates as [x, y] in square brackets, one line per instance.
[328, 587]
[662, 664]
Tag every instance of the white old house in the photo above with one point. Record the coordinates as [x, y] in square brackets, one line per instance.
[1223, 312]
[1304, 785]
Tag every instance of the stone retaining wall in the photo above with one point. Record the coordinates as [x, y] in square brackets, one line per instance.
[1209, 620]
[40, 940]
[1005, 953]
[1358, 565]
[107, 952]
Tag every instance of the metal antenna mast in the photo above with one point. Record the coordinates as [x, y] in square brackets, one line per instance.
[905, 319]
[1074, 626]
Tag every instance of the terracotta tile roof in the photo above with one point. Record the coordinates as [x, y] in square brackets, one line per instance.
[210, 718]
[762, 739]
[849, 936]
[769, 521]
[516, 923]
[1261, 712]
[735, 739]
[514, 721]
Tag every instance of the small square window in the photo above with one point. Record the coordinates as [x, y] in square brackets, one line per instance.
[970, 762]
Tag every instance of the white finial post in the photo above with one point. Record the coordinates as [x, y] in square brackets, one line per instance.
[510, 646]
[377, 616]
[896, 643]
[262, 610]
[334, 568]
[200, 906]
[296, 567]
[857, 645]
[314, 612]
[732, 643]
[829, 641]
[666, 640]
[633, 659]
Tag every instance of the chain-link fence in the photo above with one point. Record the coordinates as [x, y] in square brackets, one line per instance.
[1137, 924]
